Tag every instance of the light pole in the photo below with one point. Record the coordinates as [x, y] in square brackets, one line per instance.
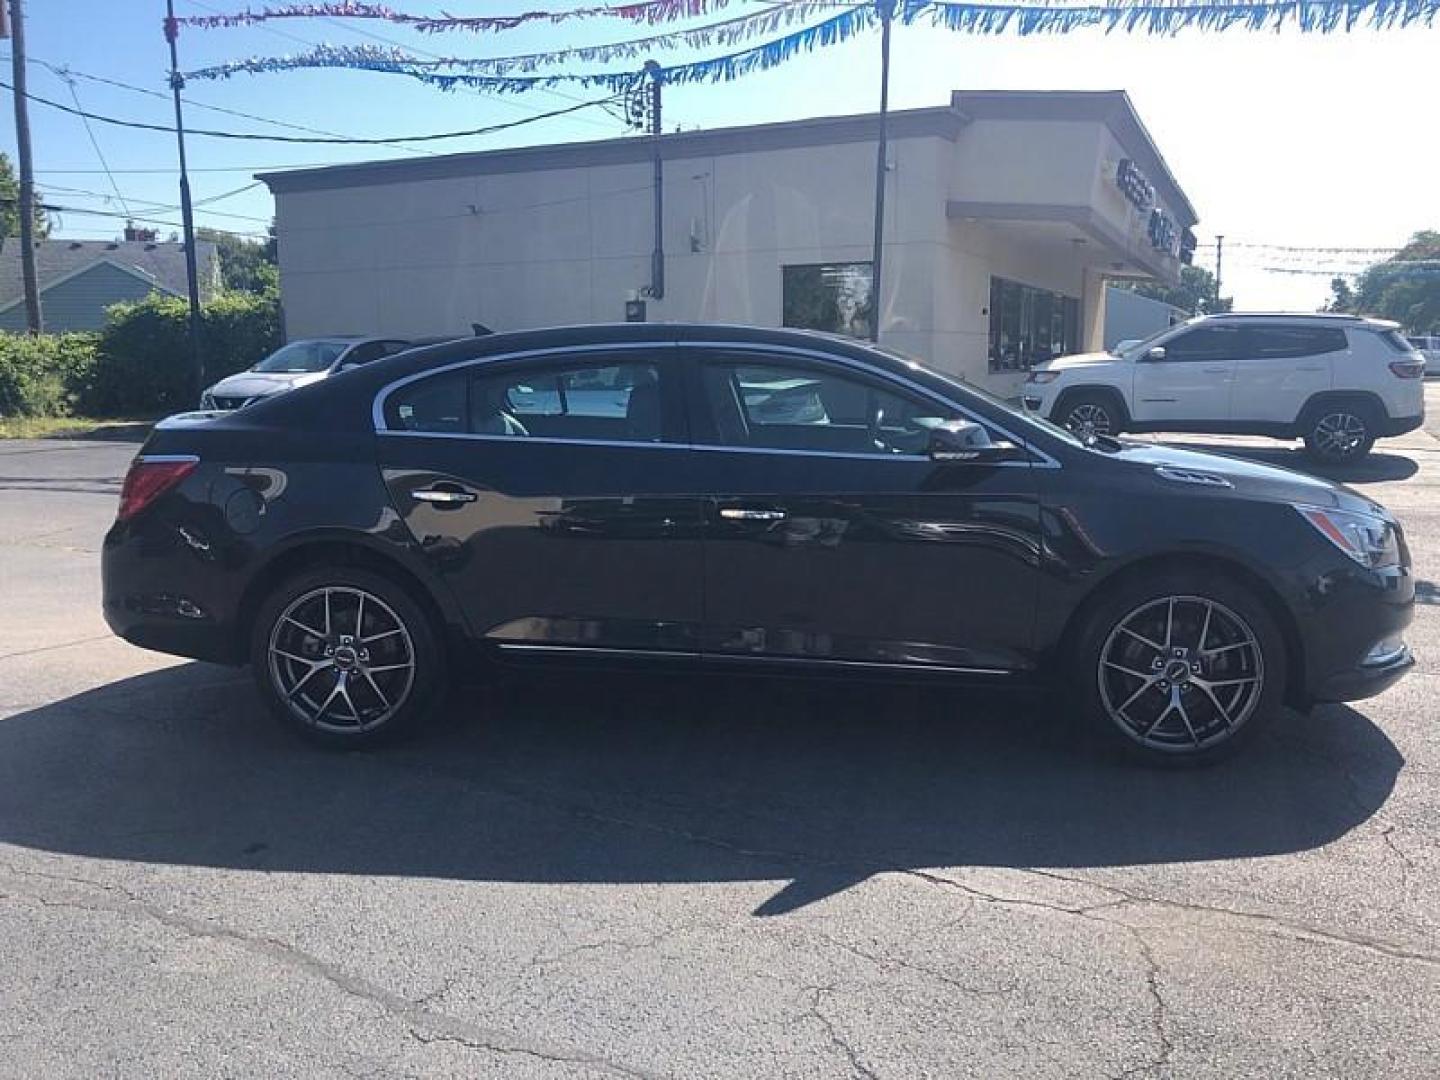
[886, 9]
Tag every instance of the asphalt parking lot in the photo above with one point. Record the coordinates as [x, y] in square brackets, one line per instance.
[689, 877]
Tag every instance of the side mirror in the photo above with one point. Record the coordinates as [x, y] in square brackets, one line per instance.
[965, 440]
[1157, 353]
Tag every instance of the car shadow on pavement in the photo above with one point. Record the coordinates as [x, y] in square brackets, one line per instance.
[596, 779]
[1377, 467]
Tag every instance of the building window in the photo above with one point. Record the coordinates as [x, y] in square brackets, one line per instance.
[833, 297]
[1029, 326]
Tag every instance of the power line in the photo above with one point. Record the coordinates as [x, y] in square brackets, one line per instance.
[65, 72]
[312, 140]
[53, 208]
[508, 102]
[160, 207]
[89, 131]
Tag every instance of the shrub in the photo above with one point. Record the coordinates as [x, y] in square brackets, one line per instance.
[144, 363]
[42, 376]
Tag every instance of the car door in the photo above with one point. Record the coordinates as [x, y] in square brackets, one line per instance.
[1189, 384]
[1282, 367]
[555, 494]
[832, 536]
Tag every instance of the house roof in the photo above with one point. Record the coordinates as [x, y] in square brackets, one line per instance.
[1110, 107]
[160, 262]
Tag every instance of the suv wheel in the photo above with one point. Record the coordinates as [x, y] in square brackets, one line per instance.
[1340, 434]
[345, 657]
[1089, 415]
[1179, 668]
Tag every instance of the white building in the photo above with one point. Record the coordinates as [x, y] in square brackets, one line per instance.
[1005, 213]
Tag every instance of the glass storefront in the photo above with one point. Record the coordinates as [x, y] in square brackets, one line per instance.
[1029, 326]
[833, 297]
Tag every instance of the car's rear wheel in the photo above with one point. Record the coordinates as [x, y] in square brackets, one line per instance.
[1179, 668]
[345, 657]
[1340, 434]
[1089, 415]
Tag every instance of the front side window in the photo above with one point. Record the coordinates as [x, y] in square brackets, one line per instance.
[832, 297]
[606, 401]
[1205, 343]
[779, 406]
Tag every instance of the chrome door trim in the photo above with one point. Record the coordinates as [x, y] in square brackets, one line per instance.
[794, 661]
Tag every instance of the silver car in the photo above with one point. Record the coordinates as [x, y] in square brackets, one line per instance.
[1429, 347]
[297, 364]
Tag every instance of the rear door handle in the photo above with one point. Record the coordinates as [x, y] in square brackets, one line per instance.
[443, 496]
[736, 513]
[1217, 370]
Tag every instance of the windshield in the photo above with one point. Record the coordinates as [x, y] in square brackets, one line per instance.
[1134, 348]
[303, 356]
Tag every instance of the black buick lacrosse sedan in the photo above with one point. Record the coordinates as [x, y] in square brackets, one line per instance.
[722, 496]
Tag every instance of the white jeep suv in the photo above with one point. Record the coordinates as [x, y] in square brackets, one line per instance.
[1337, 381]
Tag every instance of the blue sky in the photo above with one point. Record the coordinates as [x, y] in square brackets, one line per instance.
[1277, 138]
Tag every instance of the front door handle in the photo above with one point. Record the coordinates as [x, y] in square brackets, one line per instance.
[736, 513]
[443, 496]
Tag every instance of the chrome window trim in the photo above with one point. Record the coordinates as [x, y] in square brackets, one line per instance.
[163, 459]
[377, 413]
[377, 410]
[1045, 462]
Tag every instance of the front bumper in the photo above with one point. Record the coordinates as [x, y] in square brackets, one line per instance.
[1365, 680]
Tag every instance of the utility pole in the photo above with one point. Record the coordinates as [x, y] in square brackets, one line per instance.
[657, 257]
[187, 216]
[887, 12]
[33, 319]
[1219, 265]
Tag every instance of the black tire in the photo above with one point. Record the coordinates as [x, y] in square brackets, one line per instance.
[1341, 433]
[1084, 414]
[307, 677]
[1242, 682]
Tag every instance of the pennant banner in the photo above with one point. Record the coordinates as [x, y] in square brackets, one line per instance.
[647, 11]
[1127, 16]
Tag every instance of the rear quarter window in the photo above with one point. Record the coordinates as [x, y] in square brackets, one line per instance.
[1395, 340]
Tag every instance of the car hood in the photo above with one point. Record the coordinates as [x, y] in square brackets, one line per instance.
[1060, 363]
[249, 384]
[1249, 478]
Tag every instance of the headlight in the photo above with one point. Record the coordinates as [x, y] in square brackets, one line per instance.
[1371, 541]
[1042, 377]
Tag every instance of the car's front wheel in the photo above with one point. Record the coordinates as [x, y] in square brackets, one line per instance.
[345, 657]
[1090, 415]
[1179, 668]
[1340, 435]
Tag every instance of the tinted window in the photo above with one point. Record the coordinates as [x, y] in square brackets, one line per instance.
[1283, 342]
[1205, 343]
[1029, 326]
[799, 407]
[363, 354]
[614, 401]
[1396, 341]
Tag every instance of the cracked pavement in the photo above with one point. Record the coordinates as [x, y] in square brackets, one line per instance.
[672, 877]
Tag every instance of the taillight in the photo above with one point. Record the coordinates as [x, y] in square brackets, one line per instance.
[149, 478]
[1408, 369]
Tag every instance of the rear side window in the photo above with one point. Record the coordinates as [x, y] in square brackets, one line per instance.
[1286, 342]
[1395, 340]
[593, 401]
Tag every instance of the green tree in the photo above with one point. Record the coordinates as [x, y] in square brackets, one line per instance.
[1404, 287]
[245, 265]
[1195, 293]
[10, 204]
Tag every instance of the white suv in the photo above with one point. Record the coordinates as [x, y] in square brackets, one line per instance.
[1337, 381]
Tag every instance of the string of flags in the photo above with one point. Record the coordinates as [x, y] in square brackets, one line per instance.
[516, 74]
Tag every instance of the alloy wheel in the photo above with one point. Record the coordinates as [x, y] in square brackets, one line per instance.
[1181, 674]
[1339, 434]
[1088, 420]
[341, 659]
